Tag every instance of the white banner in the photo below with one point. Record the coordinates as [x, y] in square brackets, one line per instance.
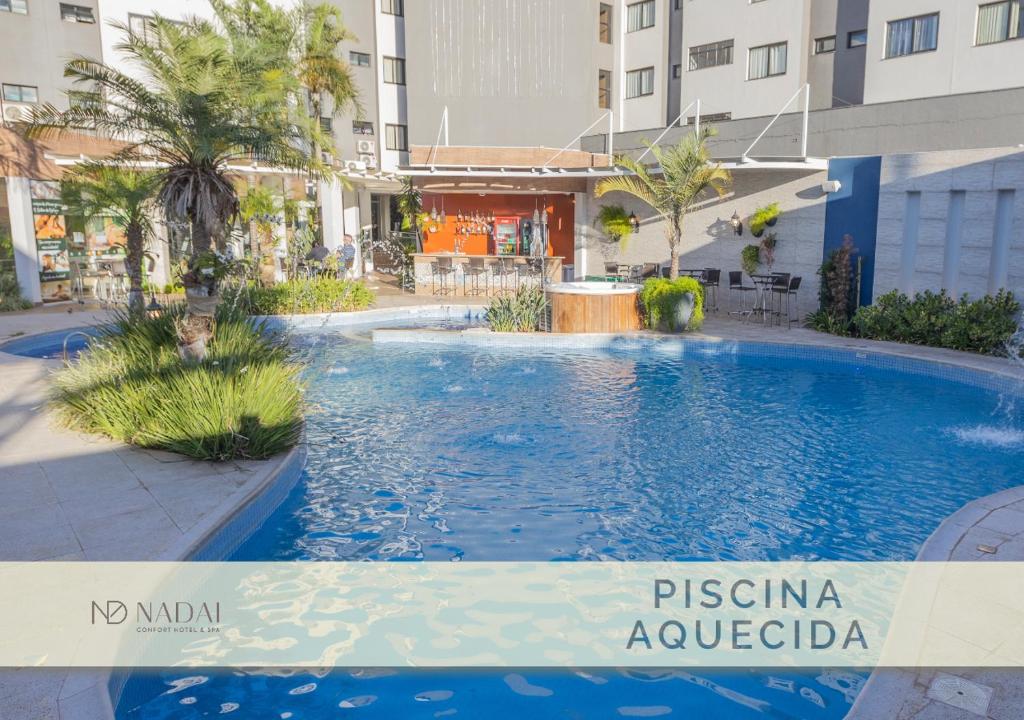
[512, 614]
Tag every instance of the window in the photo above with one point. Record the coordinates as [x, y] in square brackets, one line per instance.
[14, 6]
[1000, 21]
[393, 7]
[76, 13]
[394, 71]
[359, 59]
[825, 45]
[604, 89]
[857, 38]
[711, 55]
[84, 98]
[362, 127]
[640, 16]
[21, 93]
[327, 124]
[604, 23]
[639, 82]
[396, 137]
[767, 61]
[677, 71]
[912, 35]
[141, 25]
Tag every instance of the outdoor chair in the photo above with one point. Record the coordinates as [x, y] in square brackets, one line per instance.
[788, 290]
[712, 277]
[611, 271]
[504, 275]
[649, 270]
[736, 285]
[529, 273]
[473, 271]
[441, 272]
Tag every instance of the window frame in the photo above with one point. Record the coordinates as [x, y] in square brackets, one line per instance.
[391, 131]
[913, 32]
[697, 51]
[20, 88]
[769, 74]
[849, 39]
[1009, 22]
[22, 4]
[395, 8]
[363, 125]
[392, 63]
[819, 45]
[353, 54]
[639, 72]
[640, 5]
[604, 28]
[76, 10]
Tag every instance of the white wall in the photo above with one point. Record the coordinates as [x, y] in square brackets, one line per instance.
[726, 88]
[641, 49]
[392, 100]
[709, 239]
[971, 244]
[956, 66]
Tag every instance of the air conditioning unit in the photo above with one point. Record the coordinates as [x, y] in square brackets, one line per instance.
[366, 147]
[368, 160]
[355, 165]
[16, 113]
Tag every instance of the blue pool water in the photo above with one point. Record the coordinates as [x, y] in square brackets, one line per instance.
[50, 345]
[420, 453]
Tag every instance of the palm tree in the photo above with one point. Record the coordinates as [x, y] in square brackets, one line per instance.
[684, 175]
[208, 100]
[124, 194]
[321, 70]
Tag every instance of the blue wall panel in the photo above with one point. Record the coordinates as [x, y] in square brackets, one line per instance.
[854, 211]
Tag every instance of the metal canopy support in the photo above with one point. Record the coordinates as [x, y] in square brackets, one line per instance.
[610, 117]
[442, 128]
[806, 89]
[672, 125]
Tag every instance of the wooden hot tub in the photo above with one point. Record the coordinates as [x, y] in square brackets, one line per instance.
[594, 307]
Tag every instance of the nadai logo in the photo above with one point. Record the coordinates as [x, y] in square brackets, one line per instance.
[171, 616]
[114, 612]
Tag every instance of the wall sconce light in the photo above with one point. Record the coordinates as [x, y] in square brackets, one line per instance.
[635, 222]
[737, 224]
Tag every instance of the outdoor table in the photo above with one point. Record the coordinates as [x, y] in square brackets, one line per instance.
[763, 285]
[692, 272]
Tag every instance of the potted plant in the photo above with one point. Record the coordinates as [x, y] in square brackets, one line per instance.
[614, 222]
[764, 217]
[750, 259]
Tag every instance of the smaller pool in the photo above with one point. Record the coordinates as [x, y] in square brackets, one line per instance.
[50, 346]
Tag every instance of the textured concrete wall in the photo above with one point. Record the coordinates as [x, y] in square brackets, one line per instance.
[951, 220]
[708, 237]
[978, 120]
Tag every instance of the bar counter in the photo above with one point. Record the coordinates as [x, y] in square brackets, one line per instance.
[459, 284]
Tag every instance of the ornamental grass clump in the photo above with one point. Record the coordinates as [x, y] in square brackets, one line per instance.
[523, 312]
[243, 400]
[673, 305]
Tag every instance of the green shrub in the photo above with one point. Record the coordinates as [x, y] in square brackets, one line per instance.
[750, 259]
[243, 401]
[935, 319]
[836, 301]
[10, 294]
[762, 217]
[660, 300]
[523, 312]
[302, 297]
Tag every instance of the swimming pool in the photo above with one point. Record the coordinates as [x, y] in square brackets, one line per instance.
[50, 346]
[423, 453]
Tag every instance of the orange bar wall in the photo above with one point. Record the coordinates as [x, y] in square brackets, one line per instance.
[561, 220]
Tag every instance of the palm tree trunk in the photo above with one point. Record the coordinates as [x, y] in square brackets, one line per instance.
[673, 249]
[202, 239]
[133, 261]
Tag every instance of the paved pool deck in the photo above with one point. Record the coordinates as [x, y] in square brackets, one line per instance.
[67, 496]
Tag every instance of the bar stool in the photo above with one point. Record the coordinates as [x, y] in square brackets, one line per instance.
[529, 272]
[736, 284]
[504, 275]
[788, 290]
[475, 269]
[710, 281]
[440, 272]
